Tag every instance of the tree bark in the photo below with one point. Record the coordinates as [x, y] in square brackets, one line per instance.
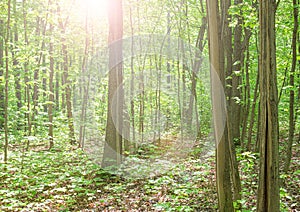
[113, 137]
[6, 82]
[36, 79]
[57, 89]
[252, 116]
[228, 56]
[128, 146]
[247, 93]
[17, 71]
[44, 81]
[68, 97]
[268, 188]
[219, 110]
[27, 77]
[196, 67]
[66, 82]
[238, 61]
[85, 85]
[2, 96]
[51, 92]
[292, 92]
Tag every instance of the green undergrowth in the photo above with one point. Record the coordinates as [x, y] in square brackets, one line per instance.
[63, 180]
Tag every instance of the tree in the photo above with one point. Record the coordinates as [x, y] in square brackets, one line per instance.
[85, 88]
[1, 75]
[16, 64]
[268, 188]
[222, 147]
[228, 62]
[6, 81]
[27, 75]
[66, 82]
[235, 94]
[292, 119]
[113, 136]
[51, 92]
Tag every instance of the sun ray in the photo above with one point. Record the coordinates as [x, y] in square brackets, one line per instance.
[95, 9]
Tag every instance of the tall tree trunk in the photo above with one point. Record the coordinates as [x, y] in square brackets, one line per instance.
[85, 85]
[66, 82]
[36, 78]
[233, 117]
[68, 94]
[141, 105]
[129, 147]
[247, 98]
[268, 188]
[2, 96]
[238, 60]
[298, 96]
[27, 77]
[57, 88]
[17, 71]
[6, 83]
[196, 67]
[113, 137]
[156, 126]
[222, 158]
[51, 92]
[252, 116]
[41, 28]
[247, 89]
[292, 92]
[168, 63]
[44, 81]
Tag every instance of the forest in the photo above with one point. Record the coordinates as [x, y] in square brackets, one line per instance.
[128, 105]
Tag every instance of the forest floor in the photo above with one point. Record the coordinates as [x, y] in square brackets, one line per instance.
[67, 180]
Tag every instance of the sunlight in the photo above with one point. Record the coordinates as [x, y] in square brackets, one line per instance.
[96, 9]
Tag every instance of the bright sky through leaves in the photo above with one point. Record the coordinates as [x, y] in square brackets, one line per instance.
[96, 9]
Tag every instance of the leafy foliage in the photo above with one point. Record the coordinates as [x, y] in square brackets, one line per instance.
[66, 180]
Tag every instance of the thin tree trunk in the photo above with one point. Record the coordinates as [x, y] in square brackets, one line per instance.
[40, 32]
[141, 88]
[18, 86]
[196, 67]
[36, 74]
[156, 125]
[132, 88]
[51, 92]
[57, 88]
[2, 96]
[6, 82]
[141, 106]
[85, 82]
[180, 102]
[247, 97]
[27, 77]
[252, 116]
[66, 82]
[284, 82]
[292, 92]
[298, 101]
[68, 96]
[44, 83]
[235, 98]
